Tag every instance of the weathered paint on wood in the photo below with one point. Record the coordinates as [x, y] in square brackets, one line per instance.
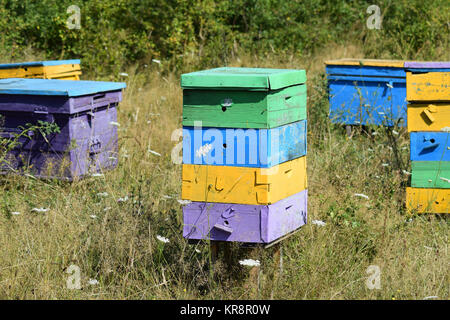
[245, 223]
[244, 109]
[53, 87]
[428, 117]
[362, 100]
[430, 146]
[260, 148]
[421, 200]
[430, 174]
[63, 70]
[244, 185]
[367, 62]
[244, 78]
[428, 86]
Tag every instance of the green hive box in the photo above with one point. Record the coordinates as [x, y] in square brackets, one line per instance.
[244, 97]
[430, 174]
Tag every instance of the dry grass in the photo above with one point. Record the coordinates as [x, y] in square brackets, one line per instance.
[118, 247]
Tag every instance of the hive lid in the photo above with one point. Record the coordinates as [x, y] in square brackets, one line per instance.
[427, 64]
[367, 62]
[51, 87]
[38, 64]
[245, 78]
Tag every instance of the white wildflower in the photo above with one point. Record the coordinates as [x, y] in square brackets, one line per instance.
[395, 132]
[93, 216]
[107, 208]
[93, 282]
[97, 175]
[385, 164]
[124, 199]
[15, 213]
[250, 263]
[406, 172]
[40, 210]
[156, 61]
[162, 239]
[102, 194]
[445, 129]
[183, 202]
[154, 152]
[123, 74]
[361, 195]
[318, 223]
[166, 196]
[198, 251]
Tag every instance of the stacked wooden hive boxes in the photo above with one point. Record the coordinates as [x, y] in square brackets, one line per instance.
[55, 69]
[84, 113]
[244, 154]
[367, 91]
[428, 95]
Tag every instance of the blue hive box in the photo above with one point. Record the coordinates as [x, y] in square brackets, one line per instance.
[363, 91]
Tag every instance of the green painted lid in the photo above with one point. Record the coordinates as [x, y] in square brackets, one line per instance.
[245, 78]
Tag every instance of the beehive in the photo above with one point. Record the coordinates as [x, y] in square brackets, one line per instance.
[428, 94]
[367, 91]
[85, 113]
[55, 69]
[244, 154]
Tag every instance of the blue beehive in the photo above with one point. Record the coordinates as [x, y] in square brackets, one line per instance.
[363, 92]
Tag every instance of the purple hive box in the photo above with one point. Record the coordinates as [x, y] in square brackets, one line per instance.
[245, 223]
[85, 112]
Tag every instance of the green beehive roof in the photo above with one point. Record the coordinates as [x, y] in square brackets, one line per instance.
[245, 78]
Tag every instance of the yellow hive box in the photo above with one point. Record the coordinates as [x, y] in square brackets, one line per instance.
[429, 86]
[428, 117]
[424, 200]
[243, 184]
[58, 69]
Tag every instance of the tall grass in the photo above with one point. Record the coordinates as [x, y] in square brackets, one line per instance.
[115, 242]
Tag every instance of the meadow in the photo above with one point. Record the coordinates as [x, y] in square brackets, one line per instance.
[108, 226]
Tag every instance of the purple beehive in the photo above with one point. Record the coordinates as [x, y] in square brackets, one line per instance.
[85, 113]
[245, 223]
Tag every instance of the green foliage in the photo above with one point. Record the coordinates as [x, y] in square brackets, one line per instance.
[194, 34]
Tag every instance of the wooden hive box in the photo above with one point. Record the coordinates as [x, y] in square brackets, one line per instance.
[56, 69]
[244, 185]
[85, 113]
[244, 97]
[243, 222]
[259, 148]
[428, 81]
[367, 91]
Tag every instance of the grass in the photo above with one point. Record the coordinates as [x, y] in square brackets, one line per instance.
[115, 242]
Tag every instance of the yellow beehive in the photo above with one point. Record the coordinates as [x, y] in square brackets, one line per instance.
[58, 69]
